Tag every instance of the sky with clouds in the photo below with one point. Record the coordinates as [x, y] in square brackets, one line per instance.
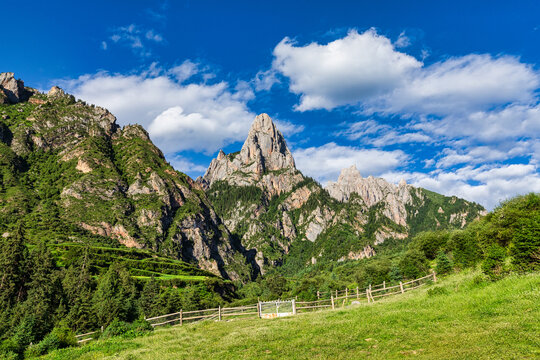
[443, 94]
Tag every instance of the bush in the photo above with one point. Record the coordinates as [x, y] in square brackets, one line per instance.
[58, 338]
[413, 264]
[493, 264]
[438, 290]
[120, 328]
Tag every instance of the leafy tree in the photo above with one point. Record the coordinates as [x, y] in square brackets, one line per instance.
[413, 264]
[464, 247]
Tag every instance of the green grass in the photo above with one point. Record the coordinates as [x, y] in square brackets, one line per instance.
[466, 319]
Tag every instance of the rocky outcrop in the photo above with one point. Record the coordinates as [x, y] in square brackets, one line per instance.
[373, 191]
[12, 90]
[264, 161]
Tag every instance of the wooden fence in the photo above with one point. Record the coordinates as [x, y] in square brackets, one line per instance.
[337, 298]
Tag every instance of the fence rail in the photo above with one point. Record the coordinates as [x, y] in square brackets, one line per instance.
[335, 299]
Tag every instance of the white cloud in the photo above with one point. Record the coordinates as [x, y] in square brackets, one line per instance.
[343, 72]
[184, 165]
[460, 85]
[184, 71]
[373, 133]
[487, 184]
[196, 116]
[264, 80]
[402, 41]
[366, 70]
[287, 128]
[325, 162]
[134, 37]
[104, 45]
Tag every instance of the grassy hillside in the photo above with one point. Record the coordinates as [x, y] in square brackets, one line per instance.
[461, 317]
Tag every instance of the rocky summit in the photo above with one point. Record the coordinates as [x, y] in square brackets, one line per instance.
[73, 175]
[287, 219]
[264, 161]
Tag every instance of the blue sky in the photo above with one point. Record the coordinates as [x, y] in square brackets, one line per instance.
[441, 93]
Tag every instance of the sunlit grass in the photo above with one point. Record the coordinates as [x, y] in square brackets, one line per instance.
[469, 319]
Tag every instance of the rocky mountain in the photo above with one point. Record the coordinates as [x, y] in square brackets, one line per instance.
[290, 220]
[264, 161]
[73, 175]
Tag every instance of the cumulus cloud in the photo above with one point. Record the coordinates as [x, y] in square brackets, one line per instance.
[460, 85]
[343, 72]
[195, 116]
[325, 162]
[365, 69]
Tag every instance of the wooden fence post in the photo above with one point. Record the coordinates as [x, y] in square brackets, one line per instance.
[367, 295]
[318, 295]
[357, 294]
[384, 284]
[219, 313]
[371, 296]
[181, 318]
[259, 309]
[401, 287]
[332, 299]
[434, 277]
[294, 306]
[346, 293]
[336, 293]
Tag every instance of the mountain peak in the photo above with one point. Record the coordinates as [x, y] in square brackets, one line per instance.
[266, 146]
[264, 151]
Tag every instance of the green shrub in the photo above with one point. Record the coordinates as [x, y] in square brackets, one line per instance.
[59, 338]
[122, 329]
[493, 264]
[438, 290]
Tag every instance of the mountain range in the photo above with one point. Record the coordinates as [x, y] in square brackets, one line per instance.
[72, 175]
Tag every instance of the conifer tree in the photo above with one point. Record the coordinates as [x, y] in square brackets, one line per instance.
[115, 296]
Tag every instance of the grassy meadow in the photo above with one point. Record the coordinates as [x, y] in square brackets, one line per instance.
[462, 316]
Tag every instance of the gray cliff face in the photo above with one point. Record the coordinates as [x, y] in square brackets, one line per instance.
[373, 191]
[12, 90]
[264, 161]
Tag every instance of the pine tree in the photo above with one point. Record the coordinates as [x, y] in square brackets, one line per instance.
[149, 300]
[115, 296]
[444, 264]
[13, 257]
[78, 288]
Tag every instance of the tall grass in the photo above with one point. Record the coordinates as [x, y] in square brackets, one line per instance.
[461, 317]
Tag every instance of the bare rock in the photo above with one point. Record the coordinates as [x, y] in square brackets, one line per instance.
[12, 90]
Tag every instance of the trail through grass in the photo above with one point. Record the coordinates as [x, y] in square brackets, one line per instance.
[458, 318]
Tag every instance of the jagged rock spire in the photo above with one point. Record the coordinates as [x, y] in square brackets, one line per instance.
[264, 150]
[266, 146]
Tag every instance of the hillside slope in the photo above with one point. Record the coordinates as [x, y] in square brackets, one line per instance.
[461, 317]
[71, 174]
